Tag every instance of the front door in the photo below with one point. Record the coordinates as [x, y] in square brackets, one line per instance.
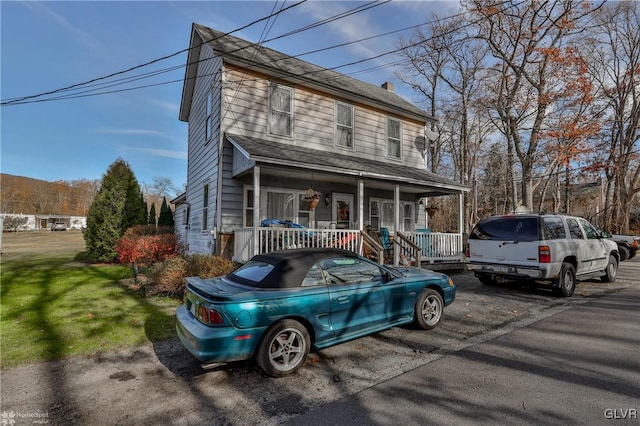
[343, 211]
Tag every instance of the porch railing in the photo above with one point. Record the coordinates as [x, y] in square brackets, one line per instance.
[437, 246]
[270, 239]
[429, 247]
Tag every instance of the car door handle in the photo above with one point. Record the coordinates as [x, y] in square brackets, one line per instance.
[343, 299]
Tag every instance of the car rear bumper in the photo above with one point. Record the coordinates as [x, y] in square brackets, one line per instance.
[215, 344]
[514, 271]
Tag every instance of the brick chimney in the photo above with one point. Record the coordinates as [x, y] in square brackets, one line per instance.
[388, 85]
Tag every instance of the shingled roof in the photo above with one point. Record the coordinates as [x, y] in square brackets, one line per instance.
[264, 151]
[241, 52]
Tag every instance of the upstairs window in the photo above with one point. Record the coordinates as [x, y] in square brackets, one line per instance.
[394, 133]
[344, 125]
[280, 110]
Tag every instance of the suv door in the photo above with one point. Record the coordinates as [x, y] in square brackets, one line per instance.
[583, 248]
[599, 250]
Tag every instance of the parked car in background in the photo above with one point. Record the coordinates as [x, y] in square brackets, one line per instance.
[279, 306]
[628, 245]
[59, 226]
[552, 249]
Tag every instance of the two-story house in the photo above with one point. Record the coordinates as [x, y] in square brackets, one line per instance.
[267, 130]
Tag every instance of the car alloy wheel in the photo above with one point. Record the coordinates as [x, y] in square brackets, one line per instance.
[428, 310]
[284, 348]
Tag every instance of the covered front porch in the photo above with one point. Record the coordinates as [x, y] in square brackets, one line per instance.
[295, 197]
[418, 248]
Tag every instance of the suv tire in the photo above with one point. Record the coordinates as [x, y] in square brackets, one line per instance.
[487, 279]
[611, 271]
[566, 282]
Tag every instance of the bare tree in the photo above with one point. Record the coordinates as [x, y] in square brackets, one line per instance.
[615, 65]
[523, 37]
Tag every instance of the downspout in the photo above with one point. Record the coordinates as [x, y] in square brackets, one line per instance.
[256, 210]
[461, 223]
[396, 224]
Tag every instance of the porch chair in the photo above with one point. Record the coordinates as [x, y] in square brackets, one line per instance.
[387, 245]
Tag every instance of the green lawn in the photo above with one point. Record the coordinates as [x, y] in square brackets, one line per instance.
[55, 306]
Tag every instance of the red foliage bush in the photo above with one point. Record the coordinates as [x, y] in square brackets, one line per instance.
[146, 244]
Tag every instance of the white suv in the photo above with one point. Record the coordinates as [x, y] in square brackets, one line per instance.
[551, 248]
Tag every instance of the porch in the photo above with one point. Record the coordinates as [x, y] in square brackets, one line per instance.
[420, 248]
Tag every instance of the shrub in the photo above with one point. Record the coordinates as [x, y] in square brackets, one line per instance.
[146, 244]
[167, 277]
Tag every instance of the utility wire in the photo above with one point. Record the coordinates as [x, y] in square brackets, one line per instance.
[146, 63]
[359, 9]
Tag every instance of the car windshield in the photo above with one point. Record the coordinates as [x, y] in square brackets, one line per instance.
[512, 228]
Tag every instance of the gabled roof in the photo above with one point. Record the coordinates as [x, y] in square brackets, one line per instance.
[287, 68]
[264, 151]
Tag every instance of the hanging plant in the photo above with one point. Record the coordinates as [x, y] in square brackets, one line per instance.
[312, 198]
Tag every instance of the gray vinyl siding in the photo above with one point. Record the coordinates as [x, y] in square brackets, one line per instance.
[203, 154]
[246, 109]
[232, 192]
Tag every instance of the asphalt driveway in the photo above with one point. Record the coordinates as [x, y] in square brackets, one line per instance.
[501, 337]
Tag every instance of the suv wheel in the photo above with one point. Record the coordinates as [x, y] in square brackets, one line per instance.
[566, 283]
[611, 271]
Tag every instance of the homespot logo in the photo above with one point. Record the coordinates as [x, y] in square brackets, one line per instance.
[621, 413]
[11, 418]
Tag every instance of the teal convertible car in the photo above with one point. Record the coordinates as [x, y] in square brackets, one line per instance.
[279, 306]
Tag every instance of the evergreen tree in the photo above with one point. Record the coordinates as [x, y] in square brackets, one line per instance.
[118, 205]
[152, 215]
[166, 215]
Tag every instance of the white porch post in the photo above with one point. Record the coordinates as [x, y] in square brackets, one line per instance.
[396, 223]
[256, 209]
[360, 204]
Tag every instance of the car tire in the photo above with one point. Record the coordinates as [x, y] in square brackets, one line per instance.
[624, 253]
[632, 253]
[611, 271]
[428, 309]
[283, 348]
[487, 279]
[566, 282]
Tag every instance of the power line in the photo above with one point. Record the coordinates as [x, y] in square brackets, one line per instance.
[24, 100]
[15, 100]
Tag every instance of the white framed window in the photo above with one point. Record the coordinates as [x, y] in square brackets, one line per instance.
[344, 125]
[209, 119]
[408, 218]
[205, 207]
[248, 206]
[381, 214]
[278, 203]
[394, 138]
[280, 110]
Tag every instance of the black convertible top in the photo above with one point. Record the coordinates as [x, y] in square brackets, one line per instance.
[291, 266]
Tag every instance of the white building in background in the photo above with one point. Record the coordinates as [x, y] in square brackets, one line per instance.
[42, 221]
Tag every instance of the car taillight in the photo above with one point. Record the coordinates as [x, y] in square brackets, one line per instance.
[209, 315]
[544, 254]
[467, 251]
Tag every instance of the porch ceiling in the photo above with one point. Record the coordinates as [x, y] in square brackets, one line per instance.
[294, 161]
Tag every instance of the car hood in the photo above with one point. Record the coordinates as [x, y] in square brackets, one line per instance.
[411, 272]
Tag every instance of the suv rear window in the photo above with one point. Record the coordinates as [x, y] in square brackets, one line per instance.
[511, 228]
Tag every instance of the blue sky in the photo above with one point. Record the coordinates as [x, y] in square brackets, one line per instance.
[49, 45]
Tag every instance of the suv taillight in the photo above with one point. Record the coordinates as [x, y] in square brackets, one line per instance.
[467, 251]
[544, 254]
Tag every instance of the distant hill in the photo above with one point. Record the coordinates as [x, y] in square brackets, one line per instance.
[21, 194]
